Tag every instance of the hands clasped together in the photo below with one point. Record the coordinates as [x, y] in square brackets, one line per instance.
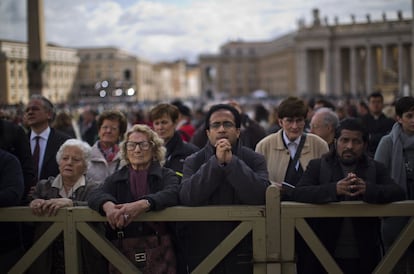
[50, 207]
[121, 215]
[223, 151]
[351, 186]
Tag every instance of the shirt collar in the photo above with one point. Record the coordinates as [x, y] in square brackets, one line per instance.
[287, 141]
[44, 134]
[58, 183]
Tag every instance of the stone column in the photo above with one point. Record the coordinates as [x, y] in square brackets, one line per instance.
[36, 68]
[353, 74]
[328, 60]
[401, 71]
[368, 70]
[337, 64]
[302, 84]
[385, 56]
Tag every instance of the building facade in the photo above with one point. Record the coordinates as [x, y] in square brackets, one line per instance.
[95, 75]
[354, 59]
[320, 59]
[61, 68]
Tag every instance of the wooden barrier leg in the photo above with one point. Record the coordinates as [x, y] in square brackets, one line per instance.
[398, 248]
[72, 246]
[259, 247]
[273, 242]
[288, 245]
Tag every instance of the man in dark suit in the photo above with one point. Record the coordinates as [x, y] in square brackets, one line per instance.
[39, 114]
[11, 191]
[44, 142]
[13, 139]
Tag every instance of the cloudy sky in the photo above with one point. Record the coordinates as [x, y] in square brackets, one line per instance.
[166, 30]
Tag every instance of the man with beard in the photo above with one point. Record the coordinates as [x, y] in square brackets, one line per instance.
[345, 174]
[223, 172]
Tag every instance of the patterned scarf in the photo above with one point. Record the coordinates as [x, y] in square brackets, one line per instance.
[110, 152]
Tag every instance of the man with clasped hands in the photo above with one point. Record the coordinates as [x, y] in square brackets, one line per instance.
[222, 173]
[345, 174]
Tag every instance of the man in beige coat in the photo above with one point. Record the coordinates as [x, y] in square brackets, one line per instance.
[288, 152]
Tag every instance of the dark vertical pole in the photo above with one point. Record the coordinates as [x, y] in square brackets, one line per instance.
[36, 66]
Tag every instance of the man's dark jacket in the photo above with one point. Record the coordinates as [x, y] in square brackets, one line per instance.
[318, 185]
[50, 166]
[243, 181]
[177, 151]
[11, 191]
[377, 128]
[13, 139]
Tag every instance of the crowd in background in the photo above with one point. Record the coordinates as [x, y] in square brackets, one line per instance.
[124, 160]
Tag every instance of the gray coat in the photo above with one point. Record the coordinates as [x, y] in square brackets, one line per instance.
[99, 168]
[242, 181]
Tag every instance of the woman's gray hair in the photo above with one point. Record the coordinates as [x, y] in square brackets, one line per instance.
[83, 146]
[157, 144]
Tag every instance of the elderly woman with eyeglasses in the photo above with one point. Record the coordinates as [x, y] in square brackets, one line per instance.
[143, 184]
[105, 155]
[69, 188]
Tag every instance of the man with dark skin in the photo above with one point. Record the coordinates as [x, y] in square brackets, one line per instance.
[346, 174]
[223, 172]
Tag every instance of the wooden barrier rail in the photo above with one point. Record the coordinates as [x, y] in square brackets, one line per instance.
[272, 227]
[293, 214]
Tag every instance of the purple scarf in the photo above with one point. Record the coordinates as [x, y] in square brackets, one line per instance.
[138, 183]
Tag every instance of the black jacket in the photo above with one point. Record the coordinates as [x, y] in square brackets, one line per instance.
[11, 191]
[13, 139]
[318, 185]
[377, 128]
[163, 192]
[177, 151]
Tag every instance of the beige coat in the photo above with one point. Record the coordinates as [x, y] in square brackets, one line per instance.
[277, 155]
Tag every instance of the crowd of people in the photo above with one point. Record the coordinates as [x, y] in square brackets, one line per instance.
[314, 151]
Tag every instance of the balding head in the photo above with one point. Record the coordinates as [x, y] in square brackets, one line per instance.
[324, 123]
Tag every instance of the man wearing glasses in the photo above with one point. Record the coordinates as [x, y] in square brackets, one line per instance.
[223, 172]
[288, 152]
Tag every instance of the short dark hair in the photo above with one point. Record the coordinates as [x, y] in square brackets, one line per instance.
[114, 115]
[47, 104]
[164, 109]
[292, 107]
[353, 124]
[215, 108]
[375, 94]
[404, 104]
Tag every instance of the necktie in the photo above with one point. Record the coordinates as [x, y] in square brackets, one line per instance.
[292, 146]
[36, 155]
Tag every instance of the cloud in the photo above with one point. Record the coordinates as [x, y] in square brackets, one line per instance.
[161, 30]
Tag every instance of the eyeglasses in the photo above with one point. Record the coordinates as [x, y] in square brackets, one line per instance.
[313, 126]
[290, 121]
[144, 145]
[34, 108]
[109, 127]
[226, 125]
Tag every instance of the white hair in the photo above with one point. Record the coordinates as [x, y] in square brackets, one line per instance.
[83, 146]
